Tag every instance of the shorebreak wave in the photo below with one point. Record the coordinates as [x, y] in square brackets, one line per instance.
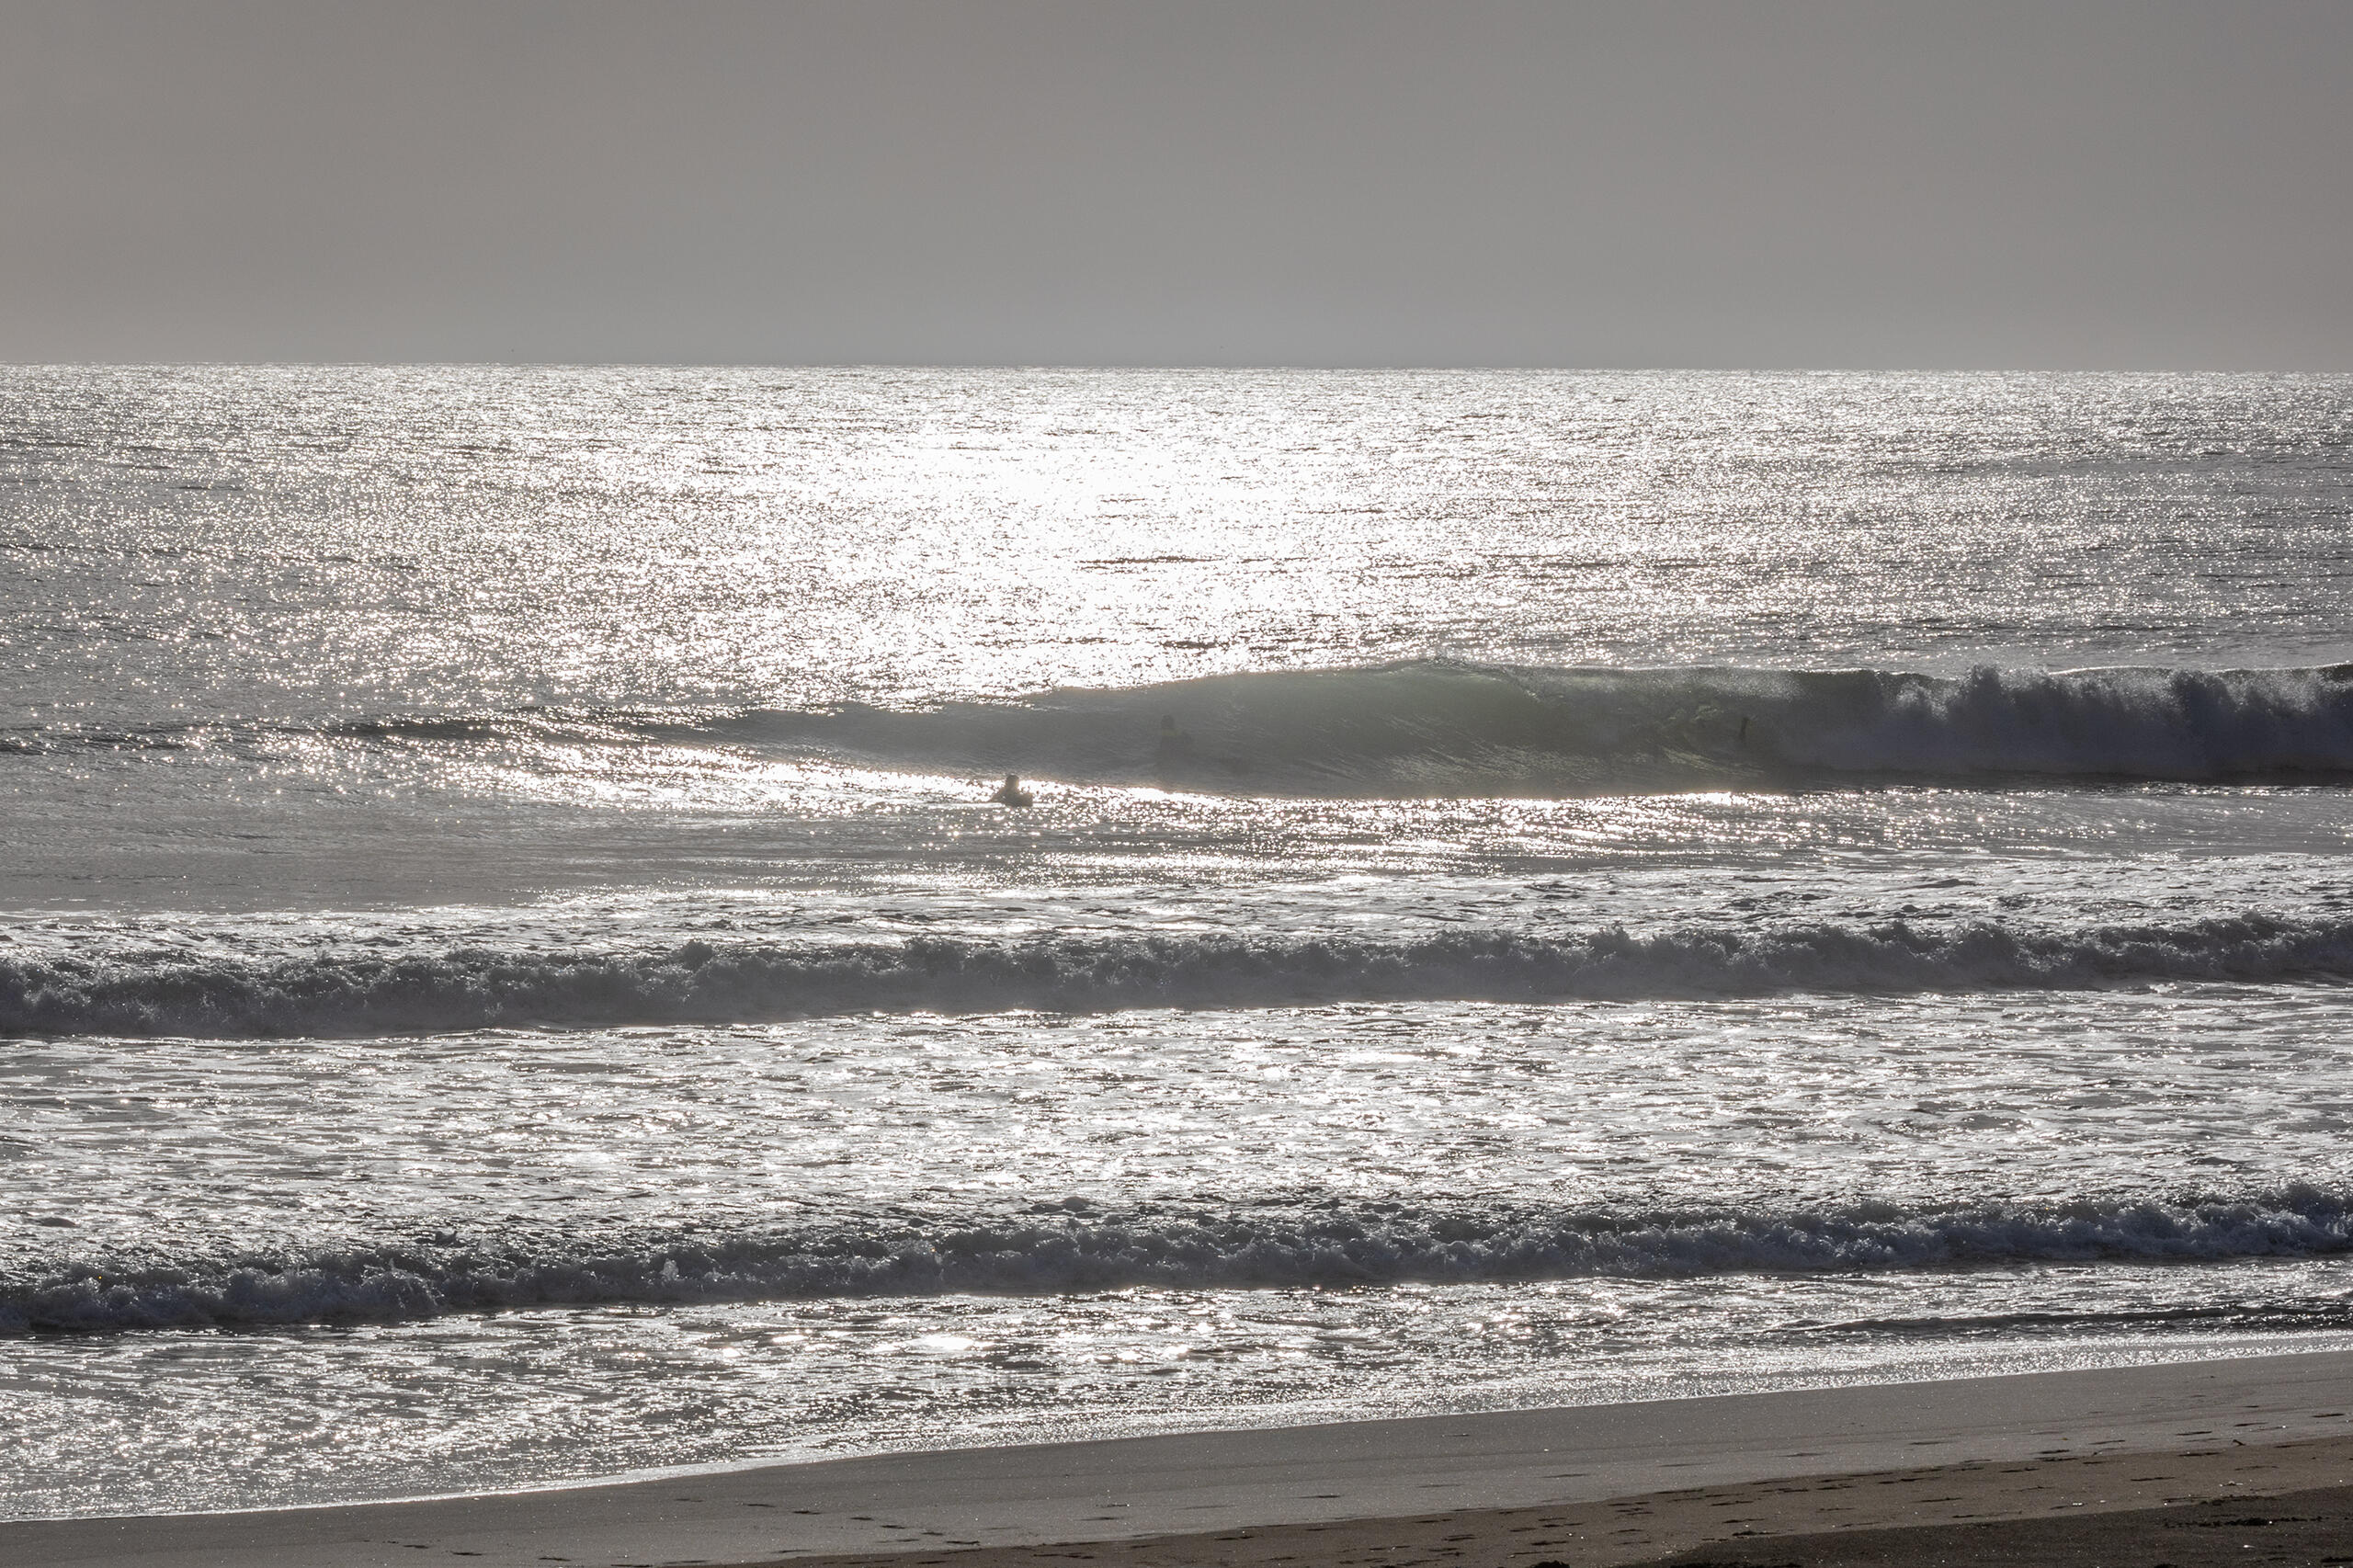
[1070, 1247]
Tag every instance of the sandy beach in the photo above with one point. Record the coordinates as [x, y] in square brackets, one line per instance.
[2246, 1505]
[1598, 1484]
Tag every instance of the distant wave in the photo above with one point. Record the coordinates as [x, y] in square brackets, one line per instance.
[1439, 728]
[700, 983]
[1442, 728]
[1054, 1248]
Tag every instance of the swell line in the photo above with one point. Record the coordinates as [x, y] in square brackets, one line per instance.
[1445, 728]
[432, 991]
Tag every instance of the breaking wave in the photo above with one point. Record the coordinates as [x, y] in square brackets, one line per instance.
[426, 992]
[1073, 1247]
[1443, 728]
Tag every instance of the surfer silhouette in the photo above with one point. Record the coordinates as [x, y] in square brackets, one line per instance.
[1175, 745]
[1011, 793]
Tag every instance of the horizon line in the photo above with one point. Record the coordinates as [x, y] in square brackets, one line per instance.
[1045, 366]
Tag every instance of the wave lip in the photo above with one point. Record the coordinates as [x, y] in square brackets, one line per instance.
[429, 992]
[1439, 727]
[1444, 728]
[1053, 1249]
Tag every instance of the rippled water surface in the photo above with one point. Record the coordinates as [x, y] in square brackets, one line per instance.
[1540, 887]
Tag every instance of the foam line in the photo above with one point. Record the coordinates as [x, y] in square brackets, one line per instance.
[1176, 1245]
[432, 991]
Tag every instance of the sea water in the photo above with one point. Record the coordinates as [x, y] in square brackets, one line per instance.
[1542, 888]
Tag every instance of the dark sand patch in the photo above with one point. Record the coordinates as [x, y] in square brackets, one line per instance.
[2232, 1505]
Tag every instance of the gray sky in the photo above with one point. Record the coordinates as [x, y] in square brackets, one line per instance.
[1960, 185]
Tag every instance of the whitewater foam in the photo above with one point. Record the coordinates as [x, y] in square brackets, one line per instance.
[699, 982]
[1048, 1250]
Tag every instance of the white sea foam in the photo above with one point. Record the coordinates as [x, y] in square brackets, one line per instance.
[1049, 1251]
[702, 982]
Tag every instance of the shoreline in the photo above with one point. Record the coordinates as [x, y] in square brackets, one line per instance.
[1176, 1497]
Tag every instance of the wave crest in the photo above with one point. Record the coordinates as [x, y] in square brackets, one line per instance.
[1054, 1250]
[1437, 728]
[1443, 728]
[355, 995]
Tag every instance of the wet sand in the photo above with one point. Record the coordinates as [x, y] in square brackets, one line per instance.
[1591, 1485]
[2304, 1529]
[2245, 1506]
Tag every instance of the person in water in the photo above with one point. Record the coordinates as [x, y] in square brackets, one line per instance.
[1011, 793]
[1175, 745]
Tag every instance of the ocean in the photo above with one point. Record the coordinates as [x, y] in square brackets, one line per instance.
[1542, 888]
